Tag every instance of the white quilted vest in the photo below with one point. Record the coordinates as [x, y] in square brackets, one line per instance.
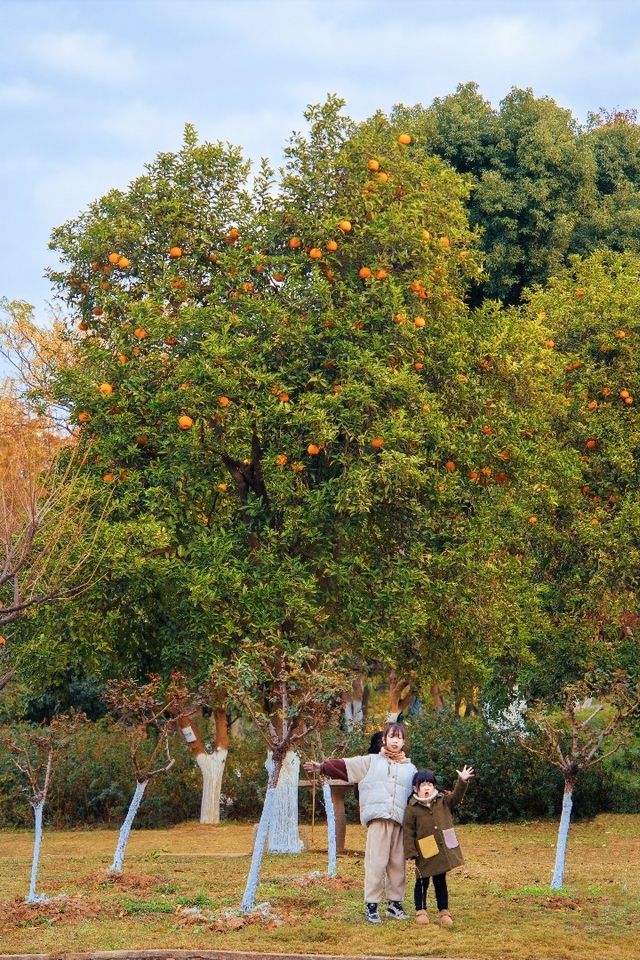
[385, 790]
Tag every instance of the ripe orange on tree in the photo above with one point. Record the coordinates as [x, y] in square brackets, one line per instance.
[84, 417]
[283, 397]
[381, 274]
[313, 449]
[106, 389]
[140, 333]
[175, 252]
[404, 139]
[124, 262]
[331, 245]
[281, 459]
[315, 253]
[377, 443]
[419, 322]
[345, 226]
[224, 401]
[450, 466]
[364, 273]
[591, 443]
[113, 257]
[373, 165]
[223, 487]
[295, 242]
[185, 422]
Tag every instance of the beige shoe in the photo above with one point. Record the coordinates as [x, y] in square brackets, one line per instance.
[422, 916]
[444, 919]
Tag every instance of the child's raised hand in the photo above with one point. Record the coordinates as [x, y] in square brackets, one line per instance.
[466, 773]
[311, 766]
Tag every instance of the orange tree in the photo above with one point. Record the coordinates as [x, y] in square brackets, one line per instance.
[306, 432]
[588, 539]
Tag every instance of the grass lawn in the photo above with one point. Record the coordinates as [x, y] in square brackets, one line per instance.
[499, 898]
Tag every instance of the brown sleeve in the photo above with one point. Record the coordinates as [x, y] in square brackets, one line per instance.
[453, 799]
[335, 769]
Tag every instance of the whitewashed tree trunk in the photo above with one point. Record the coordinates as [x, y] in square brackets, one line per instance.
[331, 830]
[353, 712]
[253, 879]
[211, 764]
[212, 769]
[125, 829]
[33, 897]
[283, 835]
[563, 836]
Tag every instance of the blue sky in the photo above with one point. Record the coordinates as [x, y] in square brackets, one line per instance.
[92, 89]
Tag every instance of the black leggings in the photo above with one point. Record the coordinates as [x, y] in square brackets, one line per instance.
[440, 887]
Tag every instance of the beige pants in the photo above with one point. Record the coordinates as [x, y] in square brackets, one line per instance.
[384, 862]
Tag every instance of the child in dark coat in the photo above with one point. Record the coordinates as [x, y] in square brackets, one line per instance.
[430, 839]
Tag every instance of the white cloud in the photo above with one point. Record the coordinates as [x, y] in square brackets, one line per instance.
[94, 56]
[21, 93]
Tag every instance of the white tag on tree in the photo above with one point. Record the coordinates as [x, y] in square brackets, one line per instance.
[188, 734]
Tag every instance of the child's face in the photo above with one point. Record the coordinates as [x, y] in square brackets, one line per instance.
[394, 742]
[426, 790]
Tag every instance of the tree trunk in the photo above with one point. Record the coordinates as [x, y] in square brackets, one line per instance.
[353, 707]
[331, 830]
[35, 862]
[283, 825]
[437, 698]
[212, 768]
[125, 829]
[563, 836]
[211, 764]
[400, 696]
[253, 879]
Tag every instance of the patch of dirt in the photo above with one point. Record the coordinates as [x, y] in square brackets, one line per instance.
[17, 913]
[121, 881]
[227, 920]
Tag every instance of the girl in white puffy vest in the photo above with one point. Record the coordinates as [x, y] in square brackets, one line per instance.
[384, 782]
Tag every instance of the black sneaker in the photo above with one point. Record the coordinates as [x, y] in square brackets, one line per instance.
[371, 913]
[395, 911]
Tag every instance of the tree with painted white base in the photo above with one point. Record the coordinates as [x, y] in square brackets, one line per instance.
[288, 694]
[148, 714]
[211, 761]
[571, 740]
[34, 754]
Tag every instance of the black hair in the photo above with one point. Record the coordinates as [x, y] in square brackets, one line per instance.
[395, 729]
[375, 744]
[423, 776]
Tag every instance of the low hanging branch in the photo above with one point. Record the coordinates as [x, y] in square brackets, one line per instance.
[572, 742]
[288, 694]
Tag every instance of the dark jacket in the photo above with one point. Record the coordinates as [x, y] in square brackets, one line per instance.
[433, 821]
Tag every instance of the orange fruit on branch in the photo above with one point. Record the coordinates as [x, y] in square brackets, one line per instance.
[373, 165]
[106, 389]
[175, 252]
[345, 226]
[377, 443]
[185, 422]
[404, 139]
